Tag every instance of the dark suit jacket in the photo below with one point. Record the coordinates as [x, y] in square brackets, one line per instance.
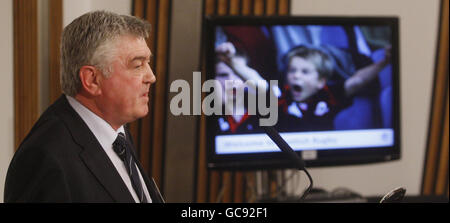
[60, 160]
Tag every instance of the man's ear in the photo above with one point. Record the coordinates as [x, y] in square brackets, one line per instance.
[90, 79]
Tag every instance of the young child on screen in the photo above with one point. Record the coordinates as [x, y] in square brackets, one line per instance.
[308, 101]
[236, 120]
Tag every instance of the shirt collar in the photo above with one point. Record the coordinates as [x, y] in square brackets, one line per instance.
[294, 110]
[102, 130]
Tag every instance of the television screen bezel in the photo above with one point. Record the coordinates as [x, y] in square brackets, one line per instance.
[278, 160]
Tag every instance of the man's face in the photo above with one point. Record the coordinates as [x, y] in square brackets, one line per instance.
[303, 79]
[124, 94]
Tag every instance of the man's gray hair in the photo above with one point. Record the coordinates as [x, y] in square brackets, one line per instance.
[87, 41]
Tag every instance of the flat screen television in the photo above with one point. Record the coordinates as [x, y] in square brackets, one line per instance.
[337, 89]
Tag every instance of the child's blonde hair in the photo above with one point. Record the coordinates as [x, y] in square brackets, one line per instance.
[319, 59]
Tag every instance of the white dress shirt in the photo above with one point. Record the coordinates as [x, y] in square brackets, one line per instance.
[106, 135]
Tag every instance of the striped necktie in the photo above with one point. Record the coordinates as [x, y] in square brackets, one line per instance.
[123, 148]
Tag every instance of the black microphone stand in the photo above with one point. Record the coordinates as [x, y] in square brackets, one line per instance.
[296, 160]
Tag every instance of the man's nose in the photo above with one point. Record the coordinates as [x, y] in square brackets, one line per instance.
[149, 77]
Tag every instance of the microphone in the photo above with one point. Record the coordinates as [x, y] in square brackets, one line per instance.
[394, 196]
[296, 160]
[279, 141]
[158, 193]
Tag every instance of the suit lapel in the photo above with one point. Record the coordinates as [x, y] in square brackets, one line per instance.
[106, 174]
[93, 155]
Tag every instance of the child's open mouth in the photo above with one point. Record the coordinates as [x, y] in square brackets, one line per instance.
[297, 88]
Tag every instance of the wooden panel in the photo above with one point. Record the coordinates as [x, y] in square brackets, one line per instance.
[201, 171]
[139, 8]
[271, 7]
[437, 145]
[214, 184]
[55, 30]
[234, 7]
[222, 7]
[202, 190]
[250, 185]
[133, 127]
[239, 187]
[283, 7]
[210, 7]
[25, 67]
[203, 176]
[159, 116]
[227, 184]
[259, 7]
[151, 15]
[442, 172]
[247, 7]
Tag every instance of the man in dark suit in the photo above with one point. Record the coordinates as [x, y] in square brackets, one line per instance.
[79, 150]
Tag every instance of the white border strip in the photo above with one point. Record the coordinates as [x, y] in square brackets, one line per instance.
[259, 143]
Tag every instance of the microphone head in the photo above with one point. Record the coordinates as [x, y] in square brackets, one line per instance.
[394, 196]
[284, 146]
